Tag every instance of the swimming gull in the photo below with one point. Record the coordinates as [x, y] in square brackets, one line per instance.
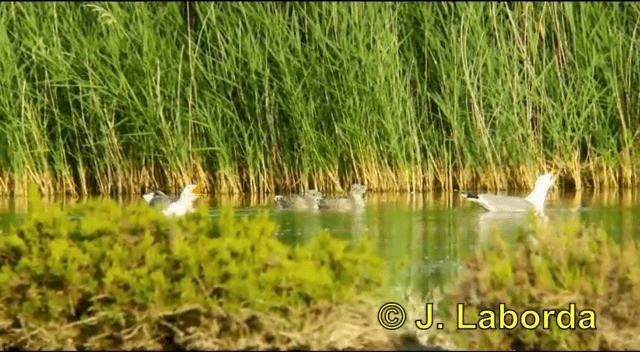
[308, 200]
[180, 206]
[354, 201]
[534, 201]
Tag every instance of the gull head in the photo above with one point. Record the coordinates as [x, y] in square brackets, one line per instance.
[313, 198]
[544, 182]
[540, 190]
[315, 201]
[191, 192]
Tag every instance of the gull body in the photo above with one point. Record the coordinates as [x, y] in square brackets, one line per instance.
[497, 203]
[354, 201]
[158, 199]
[308, 200]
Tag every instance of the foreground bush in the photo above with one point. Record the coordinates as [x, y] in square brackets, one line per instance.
[99, 275]
[551, 268]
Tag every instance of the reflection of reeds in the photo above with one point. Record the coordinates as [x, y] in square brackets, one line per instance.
[624, 197]
[19, 204]
[268, 97]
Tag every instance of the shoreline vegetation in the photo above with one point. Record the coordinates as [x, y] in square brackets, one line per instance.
[565, 266]
[106, 98]
[100, 276]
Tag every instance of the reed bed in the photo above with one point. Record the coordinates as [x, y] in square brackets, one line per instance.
[105, 97]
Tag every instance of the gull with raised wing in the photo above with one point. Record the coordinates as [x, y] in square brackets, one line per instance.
[179, 206]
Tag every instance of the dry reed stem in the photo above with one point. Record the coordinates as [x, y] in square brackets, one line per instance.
[574, 176]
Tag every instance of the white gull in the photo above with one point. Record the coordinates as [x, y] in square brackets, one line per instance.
[180, 206]
[534, 201]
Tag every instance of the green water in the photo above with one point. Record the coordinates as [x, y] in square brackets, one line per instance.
[424, 238]
[432, 235]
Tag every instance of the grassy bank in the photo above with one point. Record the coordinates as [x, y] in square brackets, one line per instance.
[109, 97]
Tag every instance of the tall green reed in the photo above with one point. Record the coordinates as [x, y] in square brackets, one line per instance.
[109, 97]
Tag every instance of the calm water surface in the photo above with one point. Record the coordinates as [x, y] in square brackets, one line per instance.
[424, 238]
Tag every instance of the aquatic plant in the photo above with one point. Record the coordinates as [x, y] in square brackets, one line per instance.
[551, 268]
[105, 97]
[99, 275]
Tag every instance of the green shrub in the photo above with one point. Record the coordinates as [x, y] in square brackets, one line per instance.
[551, 268]
[99, 271]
